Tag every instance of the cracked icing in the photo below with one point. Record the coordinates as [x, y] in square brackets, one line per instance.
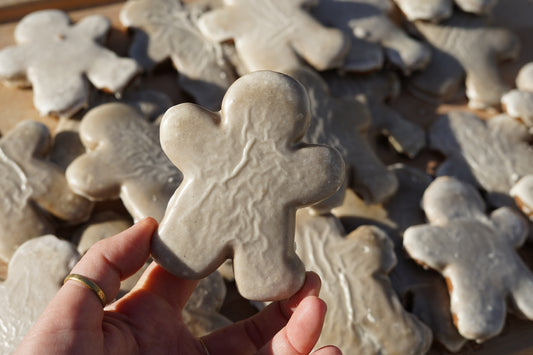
[479, 287]
[58, 59]
[167, 29]
[367, 317]
[123, 159]
[246, 173]
[275, 35]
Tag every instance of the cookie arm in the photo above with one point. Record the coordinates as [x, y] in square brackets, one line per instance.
[325, 49]
[220, 25]
[318, 172]
[405, 136]
[427, 245]
[187, 131]
[95, 27]
[510, 225]
[13, 64]
[110, 72]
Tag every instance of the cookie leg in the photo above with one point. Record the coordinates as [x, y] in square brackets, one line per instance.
[267, 272]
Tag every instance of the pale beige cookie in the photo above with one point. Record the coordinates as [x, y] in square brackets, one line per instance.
[245, 174]
[167, 29]
[342, 124]
[275, 35]
[371, 31]
[437, 10]
[365, 315]
[493, 154]
[423, 291]
[465, 45]
[522, 192]
[476, 254]
[58, 60]
[123, 159]
[31, 185]
[518, 103]
[35, 274]
[404, 136]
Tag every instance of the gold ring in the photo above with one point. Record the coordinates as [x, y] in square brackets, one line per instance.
[204, 346]
[89, 284]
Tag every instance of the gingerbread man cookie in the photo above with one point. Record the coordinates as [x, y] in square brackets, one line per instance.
[367, 317]
[518, 103]
[479, 286]
[371, 32]
[58, 59]
[437, 10]
[275, 35]
[35, 274]
[30, 184]
[342, 123]
[245, 174]
[493, 153]
[123, 159]
[465, 45]
[167, 29]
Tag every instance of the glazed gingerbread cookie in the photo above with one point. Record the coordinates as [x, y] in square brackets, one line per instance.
[518, 103]
[275, 35]
[31, 185]
[58, 59]
[491, 153]
[463, 46]
[167, 29]
[245, 174]
[342, 124]
[437, 10]
[35, 274]
[476, 254]
[123, 159]
[365, 315]
[373, 35]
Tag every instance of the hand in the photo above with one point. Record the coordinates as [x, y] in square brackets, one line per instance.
[148, 319]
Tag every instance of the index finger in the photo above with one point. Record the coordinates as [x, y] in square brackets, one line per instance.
[106, 263]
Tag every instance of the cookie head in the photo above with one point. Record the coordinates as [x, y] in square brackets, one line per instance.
[281, 105]
[447, 199]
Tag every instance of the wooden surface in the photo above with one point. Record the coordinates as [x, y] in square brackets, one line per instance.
[16, 105]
